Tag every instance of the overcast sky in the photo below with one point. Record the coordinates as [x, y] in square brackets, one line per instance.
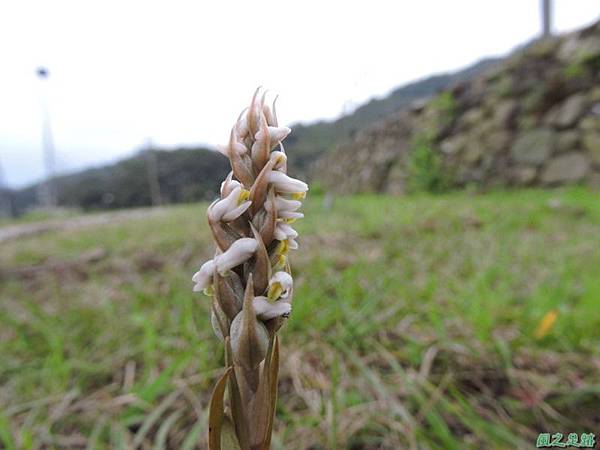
[179, 72]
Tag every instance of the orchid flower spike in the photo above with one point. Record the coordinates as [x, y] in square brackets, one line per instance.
[249, 279]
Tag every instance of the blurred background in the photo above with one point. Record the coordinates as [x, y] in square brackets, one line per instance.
[448, 276]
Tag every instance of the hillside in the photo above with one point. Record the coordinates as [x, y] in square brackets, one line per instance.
[195, 174]
[184, 175]
[308, 143]
[532, 120]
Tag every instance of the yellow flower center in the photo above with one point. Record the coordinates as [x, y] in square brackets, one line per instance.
[244, 195]
[210, 291]
[283, 247]
[275, 291]
[279, 264]
[299, 195]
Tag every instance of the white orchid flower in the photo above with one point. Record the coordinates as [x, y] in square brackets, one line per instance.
[229, 185]
[284, 231]
[266, 310]
[239, 252]
[285, 184]
[279, 160]
[280, 286]
[203, 278]
[230, 207]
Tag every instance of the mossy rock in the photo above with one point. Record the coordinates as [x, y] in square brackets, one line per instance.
[568, 168]
[534, 147]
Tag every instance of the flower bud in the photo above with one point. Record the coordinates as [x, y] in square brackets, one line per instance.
[277, 134]
[285, 184]
[229, 185]
[249, 337]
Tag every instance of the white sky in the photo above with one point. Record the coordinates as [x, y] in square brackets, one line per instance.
[179, 72]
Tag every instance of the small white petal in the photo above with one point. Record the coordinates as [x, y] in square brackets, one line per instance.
[239, 252]
[203, 278]
[283, 204]
[292, 244]
[290, 215]
[285, 184]
[236, 212]
[279, 234]
[228, 185]
[266, 310]
[278, 133]
[286, 230]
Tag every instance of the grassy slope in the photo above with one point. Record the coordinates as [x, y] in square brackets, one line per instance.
[413, 326]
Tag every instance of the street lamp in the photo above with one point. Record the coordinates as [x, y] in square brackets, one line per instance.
[47, 195]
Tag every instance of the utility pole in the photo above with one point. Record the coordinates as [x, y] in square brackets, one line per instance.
[47, 194]
[6, 206]
[152, 172]
[546, 18]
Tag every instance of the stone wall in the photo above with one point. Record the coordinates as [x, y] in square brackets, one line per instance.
[533, 120]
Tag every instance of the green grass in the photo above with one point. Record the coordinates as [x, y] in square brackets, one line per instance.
[413, 327]
[39, 215]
